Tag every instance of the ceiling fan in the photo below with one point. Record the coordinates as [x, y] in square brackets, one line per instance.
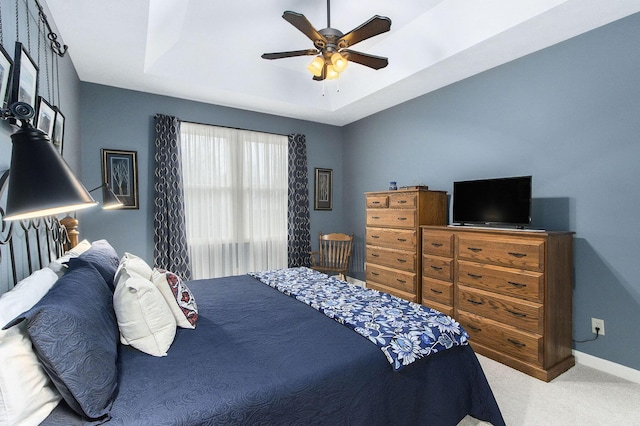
[332, 46]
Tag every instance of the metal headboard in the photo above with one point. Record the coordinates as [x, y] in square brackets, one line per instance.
[27, 245]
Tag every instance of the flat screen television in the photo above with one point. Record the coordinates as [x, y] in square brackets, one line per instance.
[493, 202]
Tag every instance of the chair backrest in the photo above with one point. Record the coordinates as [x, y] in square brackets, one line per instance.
[335, 250]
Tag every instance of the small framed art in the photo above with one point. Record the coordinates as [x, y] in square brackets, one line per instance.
[25, 77]
[6, 66]
[46, 117]
[323, 198]
[120, 172]
[58, 131]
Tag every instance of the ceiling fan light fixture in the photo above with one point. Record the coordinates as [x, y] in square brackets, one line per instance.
[339, 62]
[332, 74]
[316, 66]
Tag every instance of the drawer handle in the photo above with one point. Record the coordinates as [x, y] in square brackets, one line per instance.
[518, 255]
[475, 302]
[375, 217]
[375, 237]
[375, 202]
[401, 260]
[518, 314]
[436, 244]
[402, 218]
[515, 284]
[474, 276]
[375, 274]
[435, 291]
[402, 240]
[436, 268]
[401, 281]
[516, 343]
[375, 255]
[402, 201]
[473, 328]
[474, 249]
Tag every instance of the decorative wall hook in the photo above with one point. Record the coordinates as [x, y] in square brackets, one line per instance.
[56, 46]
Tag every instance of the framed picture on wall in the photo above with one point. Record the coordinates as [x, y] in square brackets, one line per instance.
[45, 117]
[58, 131]
[323, 193]
[120, 172]
[25, 77]
[6, 67]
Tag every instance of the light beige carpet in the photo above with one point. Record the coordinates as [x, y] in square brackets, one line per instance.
[581, 396]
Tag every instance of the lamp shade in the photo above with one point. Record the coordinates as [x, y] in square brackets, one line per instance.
[41, 183]
[110, 201]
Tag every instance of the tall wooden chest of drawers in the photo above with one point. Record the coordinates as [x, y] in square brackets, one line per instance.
[513, 294]
[393, 243]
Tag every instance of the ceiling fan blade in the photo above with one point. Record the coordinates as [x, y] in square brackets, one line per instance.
[301, 23]
[291, 54]
[371, 61]
[374, 26]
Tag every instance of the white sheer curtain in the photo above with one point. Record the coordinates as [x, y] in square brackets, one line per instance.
[235, 190]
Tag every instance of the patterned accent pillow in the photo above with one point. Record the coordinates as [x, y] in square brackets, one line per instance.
[178, 297]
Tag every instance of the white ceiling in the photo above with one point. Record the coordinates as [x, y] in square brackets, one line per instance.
[209, 51]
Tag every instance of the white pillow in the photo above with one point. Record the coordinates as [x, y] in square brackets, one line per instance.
[144, 318]
[59, 265]
[135, 264]
[178, 296]
[25, 294]
[27, 396]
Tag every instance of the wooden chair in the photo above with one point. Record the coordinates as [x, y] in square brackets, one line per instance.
[333, 255]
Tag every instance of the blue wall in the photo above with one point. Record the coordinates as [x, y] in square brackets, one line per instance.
[123, 119]
[568, 115]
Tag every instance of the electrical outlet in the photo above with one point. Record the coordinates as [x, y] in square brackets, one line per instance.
[595, 322]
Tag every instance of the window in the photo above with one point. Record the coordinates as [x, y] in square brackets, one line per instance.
[235, 189]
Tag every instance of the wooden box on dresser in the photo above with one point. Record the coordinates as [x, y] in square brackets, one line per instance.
[512, 292]
[393, 244]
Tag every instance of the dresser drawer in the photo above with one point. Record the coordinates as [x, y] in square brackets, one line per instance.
[438, 243]
[402, 239]
[437, 267]
[404, 281]
[521, 345]
[523, 315]
[400, 218]
[447, 310]
[393, 291]
[377, 201]
[403, 201]
[517, 283]
[511, 252]
[396, 259]
[437, 291]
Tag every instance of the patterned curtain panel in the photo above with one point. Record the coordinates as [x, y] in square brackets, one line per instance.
[170, 241]
[299, 227]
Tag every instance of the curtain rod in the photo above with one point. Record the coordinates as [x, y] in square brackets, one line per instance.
[230, 127]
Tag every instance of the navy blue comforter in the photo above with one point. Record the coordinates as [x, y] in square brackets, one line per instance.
[260, 357]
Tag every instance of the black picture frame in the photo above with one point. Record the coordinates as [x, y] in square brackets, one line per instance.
[45, 117]
[58, 131]
[323, 189]
[120, 172]
[6, 70]
[24, 87]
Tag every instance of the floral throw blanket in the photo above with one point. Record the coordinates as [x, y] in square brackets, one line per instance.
[403, 330]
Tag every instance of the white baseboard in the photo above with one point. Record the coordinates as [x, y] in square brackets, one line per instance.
[357, 282]
[609, 367]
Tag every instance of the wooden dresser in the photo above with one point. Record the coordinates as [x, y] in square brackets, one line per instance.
[393, 244]
[512, 292]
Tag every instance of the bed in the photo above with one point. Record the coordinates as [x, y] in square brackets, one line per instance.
[255, 355]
